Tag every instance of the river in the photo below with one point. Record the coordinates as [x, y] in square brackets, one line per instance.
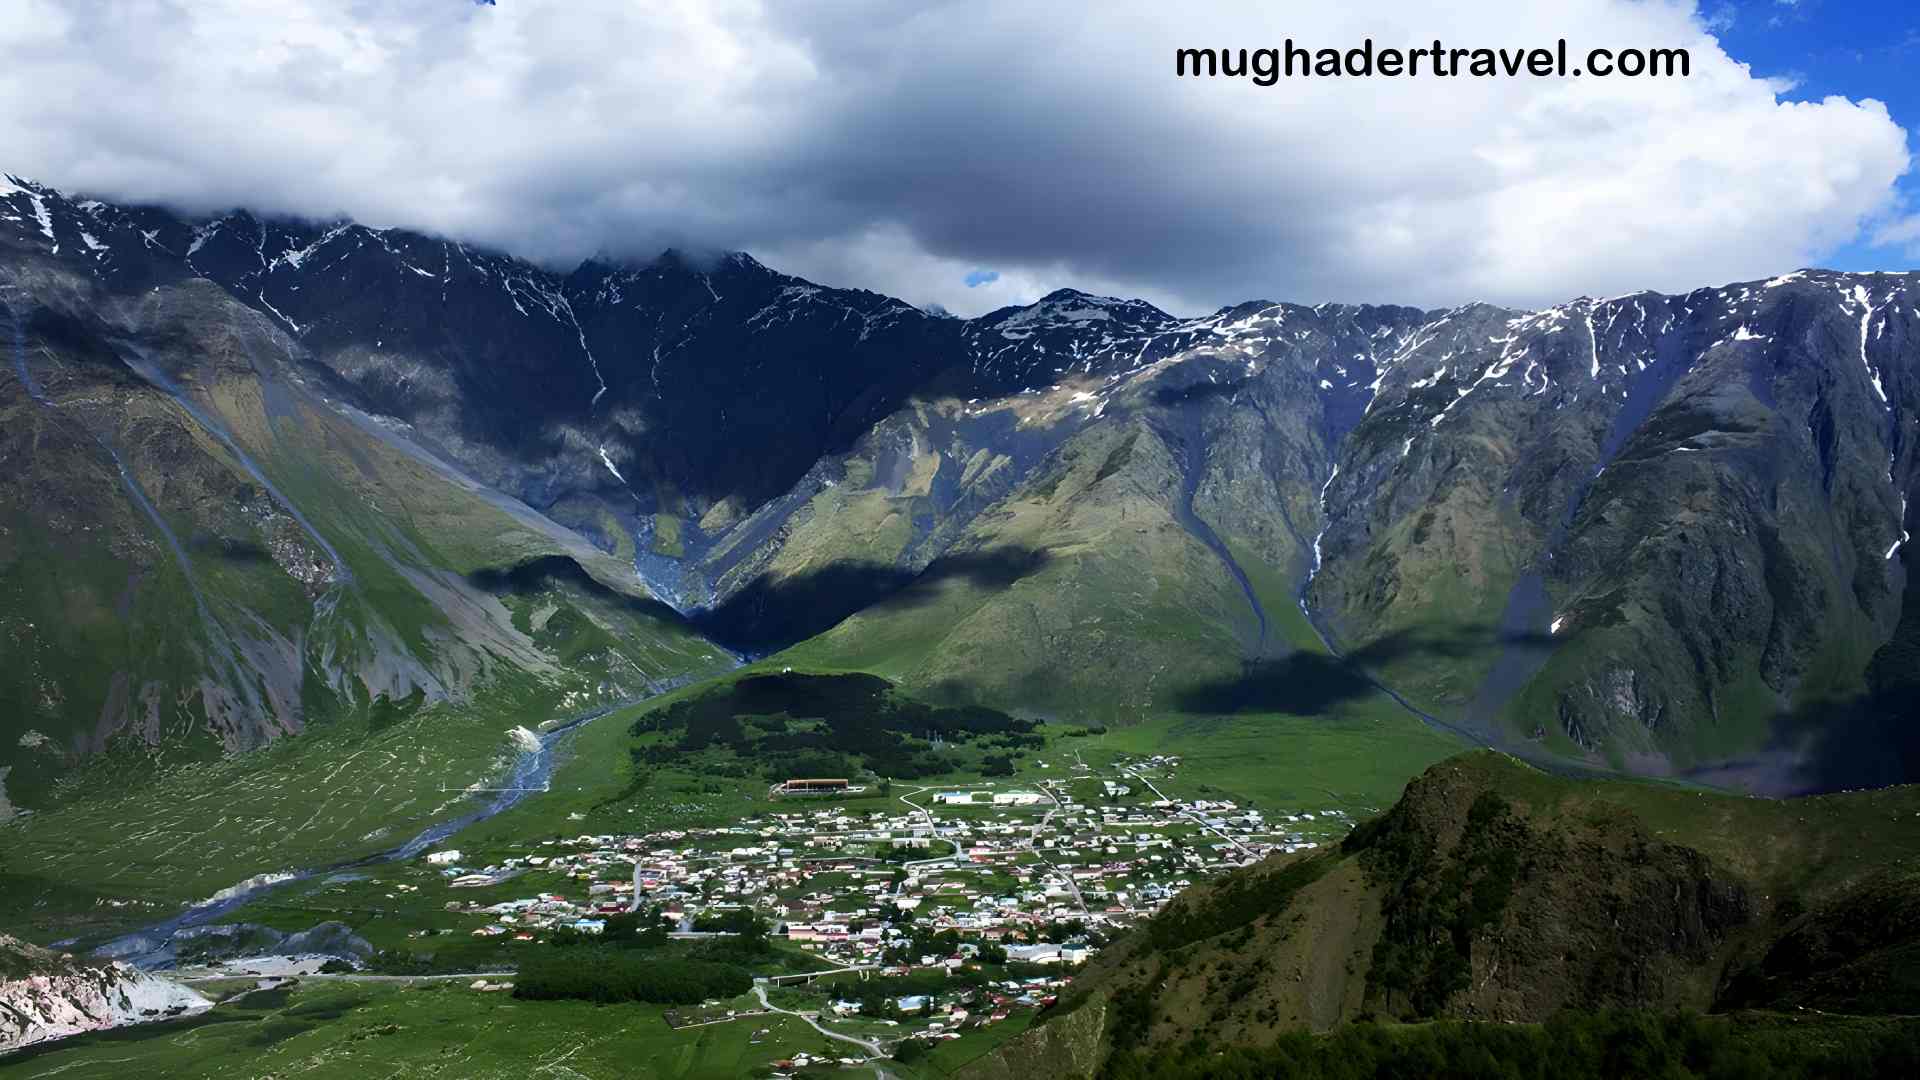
[152, 946]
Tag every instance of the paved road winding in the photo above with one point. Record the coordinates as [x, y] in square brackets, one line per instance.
[871, 1047]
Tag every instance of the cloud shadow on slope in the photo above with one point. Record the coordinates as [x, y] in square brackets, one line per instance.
[1866, 741]
[1311, 683]
[770, 614]
[532, 575]
[1169, 396]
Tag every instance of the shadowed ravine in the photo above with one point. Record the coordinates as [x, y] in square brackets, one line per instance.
[1191, 450]
[1525, 626]
[1359, 670]
[220, 650]
[149, 371]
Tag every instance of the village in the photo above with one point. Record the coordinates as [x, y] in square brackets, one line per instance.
[1015, 884]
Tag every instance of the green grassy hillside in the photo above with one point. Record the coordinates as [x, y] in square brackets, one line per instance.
[321, 1030]
[1081, 596]
[246, 632]
[1495, 892]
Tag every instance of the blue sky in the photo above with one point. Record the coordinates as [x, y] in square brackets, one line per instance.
[1854, 48]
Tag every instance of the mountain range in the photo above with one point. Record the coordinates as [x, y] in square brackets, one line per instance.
[259, 475]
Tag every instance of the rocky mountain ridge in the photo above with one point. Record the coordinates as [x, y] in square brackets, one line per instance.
[202, 549]
[1656, 533]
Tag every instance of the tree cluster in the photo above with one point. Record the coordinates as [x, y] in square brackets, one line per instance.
[609, 975]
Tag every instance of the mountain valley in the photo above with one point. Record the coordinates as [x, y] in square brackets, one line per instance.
[1660, 534]
[324, 546]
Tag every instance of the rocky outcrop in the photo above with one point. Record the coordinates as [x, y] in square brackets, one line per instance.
[47, 995]
[227, 941]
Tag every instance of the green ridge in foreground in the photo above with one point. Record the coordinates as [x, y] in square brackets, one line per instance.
[1608, 910]
[1574, 1046]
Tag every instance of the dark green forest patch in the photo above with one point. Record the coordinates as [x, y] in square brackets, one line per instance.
[798, 725]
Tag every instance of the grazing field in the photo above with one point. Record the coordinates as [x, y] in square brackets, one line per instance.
[338, 792]
[322, 1030]
[1357, 759]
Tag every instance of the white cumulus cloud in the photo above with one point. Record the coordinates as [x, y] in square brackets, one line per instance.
[900, 146]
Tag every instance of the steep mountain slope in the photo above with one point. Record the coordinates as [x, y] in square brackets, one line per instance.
[650, 406]
[1671, 542]
[201, 552]
[1653, 533]
[1668, 519]
[1492, 891]
[1158, 541]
